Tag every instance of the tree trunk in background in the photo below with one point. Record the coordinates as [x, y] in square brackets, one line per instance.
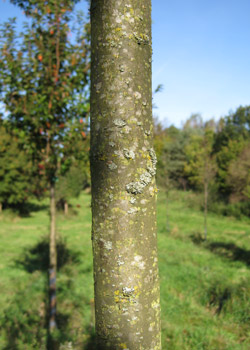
[52, 269]
[66, 208]
[205, 208]
[167, 203]
[1, 207]
[167, 211]
[123, 164]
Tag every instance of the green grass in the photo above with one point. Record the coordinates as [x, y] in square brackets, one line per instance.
[205, 286]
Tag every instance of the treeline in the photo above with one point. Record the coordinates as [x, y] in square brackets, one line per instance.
[211, 158]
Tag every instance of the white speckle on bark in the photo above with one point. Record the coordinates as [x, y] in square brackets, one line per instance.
[132, 200]
[138, 262]
[112, 166]
[127, 291]
[132, 210]
[138, 258]
[127, 129]
[137, 95]
[129, 154]
[145, 178]
[119, 122]
[119, 262]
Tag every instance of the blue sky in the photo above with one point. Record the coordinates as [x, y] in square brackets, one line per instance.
[201, 55]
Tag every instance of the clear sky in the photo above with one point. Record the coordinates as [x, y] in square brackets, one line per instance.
[201, 55]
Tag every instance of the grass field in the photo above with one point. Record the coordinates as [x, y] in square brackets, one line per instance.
[205, 286]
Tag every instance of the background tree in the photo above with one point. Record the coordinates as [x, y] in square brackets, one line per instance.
[75, 173]
[44, 88]
[19, 176]
[231, 138]
[239, 177]
[201, 167]
[123, 165]
[170, 145]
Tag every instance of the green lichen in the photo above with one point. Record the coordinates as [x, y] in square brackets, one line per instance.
[119, 122]
[129, 154]
[137, 187]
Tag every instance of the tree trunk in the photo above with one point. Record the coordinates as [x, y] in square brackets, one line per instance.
[205, 209]
[66, 208]
[52, 269]
[123, 164]
[1, 207]
[167, 206]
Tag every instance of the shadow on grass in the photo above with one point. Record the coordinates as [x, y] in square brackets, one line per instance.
[25, 209]
[230, 251]
[37, 257]
[197, 238]
[218, 298]
[225, 249]
[25, 319]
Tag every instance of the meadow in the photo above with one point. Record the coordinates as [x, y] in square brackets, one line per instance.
[205, 285]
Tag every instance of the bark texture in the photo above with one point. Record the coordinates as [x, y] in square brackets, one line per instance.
[123, 165]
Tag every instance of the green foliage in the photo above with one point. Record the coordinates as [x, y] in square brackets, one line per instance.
[70, 185]
[226, 155]
[208, 157]
[239, 176]
[234, 127]
[44, 79]
[200, 165]
[18, 174]
[232, 137]
[169, 146]
[75, 172]
[238, 210]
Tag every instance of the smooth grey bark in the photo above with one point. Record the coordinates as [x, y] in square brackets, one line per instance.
[123, 165]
